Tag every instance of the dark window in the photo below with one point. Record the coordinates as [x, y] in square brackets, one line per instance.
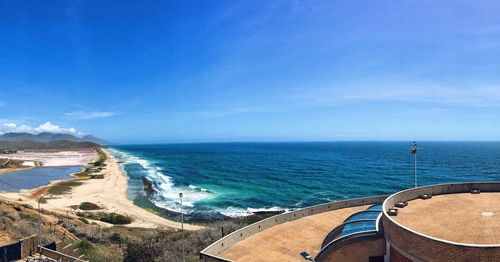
[376, 259]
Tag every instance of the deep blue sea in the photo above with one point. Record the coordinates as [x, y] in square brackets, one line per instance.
[236, 179]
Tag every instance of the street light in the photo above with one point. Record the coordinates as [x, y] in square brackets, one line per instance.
[182, 226]
[40, 221]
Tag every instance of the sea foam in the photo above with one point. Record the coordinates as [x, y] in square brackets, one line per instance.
[240, 212]
[166, 192]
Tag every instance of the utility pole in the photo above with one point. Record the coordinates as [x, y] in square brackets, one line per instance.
[414, 153]
[182, 227]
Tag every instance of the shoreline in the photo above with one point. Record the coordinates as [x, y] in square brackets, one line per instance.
[13, 169]
[110, 192]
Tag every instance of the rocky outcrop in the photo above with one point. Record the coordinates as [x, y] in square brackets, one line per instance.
[148, 185]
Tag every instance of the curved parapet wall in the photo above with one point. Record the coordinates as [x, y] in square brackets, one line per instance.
[211, 253]
[419, 247]
[359, 248]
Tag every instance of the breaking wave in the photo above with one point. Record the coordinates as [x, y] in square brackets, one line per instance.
[166, 192]
[240, 212]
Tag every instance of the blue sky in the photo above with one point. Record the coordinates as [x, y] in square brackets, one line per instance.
[192, 71]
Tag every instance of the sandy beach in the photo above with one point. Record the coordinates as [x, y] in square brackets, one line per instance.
[110, 193]
[12, 169]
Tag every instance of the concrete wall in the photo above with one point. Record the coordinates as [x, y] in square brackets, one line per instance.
[425, 248]
[355, 250]
[398, 257]
[211, 253]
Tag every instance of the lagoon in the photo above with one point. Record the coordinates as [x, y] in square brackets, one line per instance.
[36, 177]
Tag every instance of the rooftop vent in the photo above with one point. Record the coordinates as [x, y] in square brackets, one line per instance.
[425, 196]
[392, 212]
[401, 204]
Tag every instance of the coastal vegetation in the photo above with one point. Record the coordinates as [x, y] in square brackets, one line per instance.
[116, 243]
[89, 206]
[63, 187]
[101, 158]
[112, 218]
[19, 221]
[116, 219]
[94, 167]
[167, 246]
[97, 252]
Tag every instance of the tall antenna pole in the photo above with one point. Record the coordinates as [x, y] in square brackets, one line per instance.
[415, 169]
[414, 152]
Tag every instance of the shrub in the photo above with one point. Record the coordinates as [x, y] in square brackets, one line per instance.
[103, 253]
[89, 206]
[116, 238]
[116, 219]
[63, 187]
[145, 250]
[85, 247]
[29, 217]
[27, 206]
[84, 172]
[84, 220]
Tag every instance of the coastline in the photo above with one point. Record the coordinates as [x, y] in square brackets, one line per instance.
[109, 192]
[13, 169]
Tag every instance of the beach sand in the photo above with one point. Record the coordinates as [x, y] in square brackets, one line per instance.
[110, 193]
[12, 169]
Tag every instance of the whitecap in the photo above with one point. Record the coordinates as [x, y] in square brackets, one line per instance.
[167, 193]
[235, 212]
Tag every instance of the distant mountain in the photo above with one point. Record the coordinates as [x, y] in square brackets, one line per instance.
[93, 139]
[52, 137]
[48, 137]
[55, 144]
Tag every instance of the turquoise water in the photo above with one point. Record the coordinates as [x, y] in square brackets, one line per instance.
[33, 178]
[236, 179]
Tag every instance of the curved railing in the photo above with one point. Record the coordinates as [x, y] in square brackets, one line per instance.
[212, 252]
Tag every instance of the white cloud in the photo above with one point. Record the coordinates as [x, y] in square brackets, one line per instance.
[46, 127]
[83, 115]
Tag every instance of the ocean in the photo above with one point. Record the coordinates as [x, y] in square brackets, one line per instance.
[238, 179]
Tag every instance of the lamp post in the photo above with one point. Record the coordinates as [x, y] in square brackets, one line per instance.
[40, 222]
[182, 226]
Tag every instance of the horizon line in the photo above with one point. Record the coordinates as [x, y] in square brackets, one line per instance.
[297, 141]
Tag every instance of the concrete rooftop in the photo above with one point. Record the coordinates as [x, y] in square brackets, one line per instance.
[462, 218]
[286, 241]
